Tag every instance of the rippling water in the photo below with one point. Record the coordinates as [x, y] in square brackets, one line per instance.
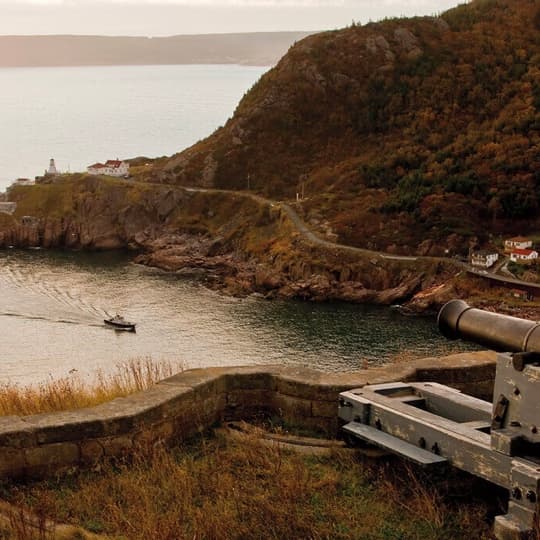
[52, 306]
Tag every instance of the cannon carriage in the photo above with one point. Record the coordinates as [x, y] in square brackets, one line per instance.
[434, 425]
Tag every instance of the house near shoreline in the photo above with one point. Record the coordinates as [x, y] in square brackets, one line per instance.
[523, 256]
[112, 167]
[518, 242]
[484, 258]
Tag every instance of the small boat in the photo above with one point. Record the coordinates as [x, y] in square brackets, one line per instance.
[119, 323]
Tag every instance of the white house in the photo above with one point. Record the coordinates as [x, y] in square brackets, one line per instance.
[523, 255]
[486, 259]
[112, 167]
[519, 242]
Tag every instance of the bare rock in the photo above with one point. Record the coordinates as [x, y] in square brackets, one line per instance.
[408, 42]
[209, 171]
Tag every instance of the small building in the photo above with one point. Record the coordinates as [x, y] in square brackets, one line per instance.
[112, 167]
[485, 258]
[518, 242]
[523, 256]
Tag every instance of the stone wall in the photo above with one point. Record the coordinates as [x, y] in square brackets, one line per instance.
[182, 406]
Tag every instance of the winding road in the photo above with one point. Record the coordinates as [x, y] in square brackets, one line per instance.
[313, 238]
[306, 232]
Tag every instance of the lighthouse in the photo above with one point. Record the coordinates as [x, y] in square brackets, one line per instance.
[52, 168]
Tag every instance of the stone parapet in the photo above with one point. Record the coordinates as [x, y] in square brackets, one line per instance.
[189, 403]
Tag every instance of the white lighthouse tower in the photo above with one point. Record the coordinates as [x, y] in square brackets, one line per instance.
[52, 168]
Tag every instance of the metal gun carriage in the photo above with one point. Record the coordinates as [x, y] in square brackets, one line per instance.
[432, 424]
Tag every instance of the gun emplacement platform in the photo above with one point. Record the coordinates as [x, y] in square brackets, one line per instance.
[432, 425]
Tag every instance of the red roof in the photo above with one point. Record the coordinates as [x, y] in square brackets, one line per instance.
[518, 239]
[525, 252]
[115, 163]
[96, 166]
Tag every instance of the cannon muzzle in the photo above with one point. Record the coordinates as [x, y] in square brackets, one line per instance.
[457, 320]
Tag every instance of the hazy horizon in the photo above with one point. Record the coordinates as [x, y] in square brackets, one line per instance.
[159, 18]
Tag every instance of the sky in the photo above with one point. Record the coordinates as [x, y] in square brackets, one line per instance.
[171, 17]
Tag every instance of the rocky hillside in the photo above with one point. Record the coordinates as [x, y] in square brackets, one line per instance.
[410, 135]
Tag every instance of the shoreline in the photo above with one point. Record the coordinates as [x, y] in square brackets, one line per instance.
[239, 243]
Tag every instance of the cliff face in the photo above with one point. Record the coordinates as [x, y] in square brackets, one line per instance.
[413, 135]
[89, 214]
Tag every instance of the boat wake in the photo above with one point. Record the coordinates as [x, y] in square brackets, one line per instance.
[48, 296]
[48, 319]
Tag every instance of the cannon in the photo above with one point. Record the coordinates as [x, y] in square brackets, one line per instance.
[434, 425]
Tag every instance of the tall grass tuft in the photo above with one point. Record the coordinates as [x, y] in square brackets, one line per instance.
[74, 392]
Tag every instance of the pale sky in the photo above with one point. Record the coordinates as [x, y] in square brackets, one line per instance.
[170, 17]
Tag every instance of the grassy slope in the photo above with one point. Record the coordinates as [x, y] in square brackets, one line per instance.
[396, 138]
[227, 490]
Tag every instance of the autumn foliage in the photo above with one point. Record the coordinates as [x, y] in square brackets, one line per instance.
[434, 121]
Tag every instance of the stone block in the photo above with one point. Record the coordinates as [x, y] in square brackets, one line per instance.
[310, 384]
[65, 426]
[243, 399]
[327, 409]
[250, 378]
[209, 380]
[151, 406]
[212, 406]
[91, 452]
[16, 432]
[292, 409]
[116, 417]
[165, 432]
[249, 404]
[12, 462]
[117, 446]
[48, 458]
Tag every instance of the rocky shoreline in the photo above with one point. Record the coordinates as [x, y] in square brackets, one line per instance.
[238, 275]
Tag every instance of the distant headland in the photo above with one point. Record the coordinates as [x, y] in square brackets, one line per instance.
[258, 48]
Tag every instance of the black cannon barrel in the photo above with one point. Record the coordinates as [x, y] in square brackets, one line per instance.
[457, 320]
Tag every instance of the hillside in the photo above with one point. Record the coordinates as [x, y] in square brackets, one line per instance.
[409, 135]
[261, 48]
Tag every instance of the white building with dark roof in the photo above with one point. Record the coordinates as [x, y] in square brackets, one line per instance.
[484, 258]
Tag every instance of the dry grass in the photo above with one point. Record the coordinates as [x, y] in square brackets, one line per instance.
[74, 392]
[222, 489]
